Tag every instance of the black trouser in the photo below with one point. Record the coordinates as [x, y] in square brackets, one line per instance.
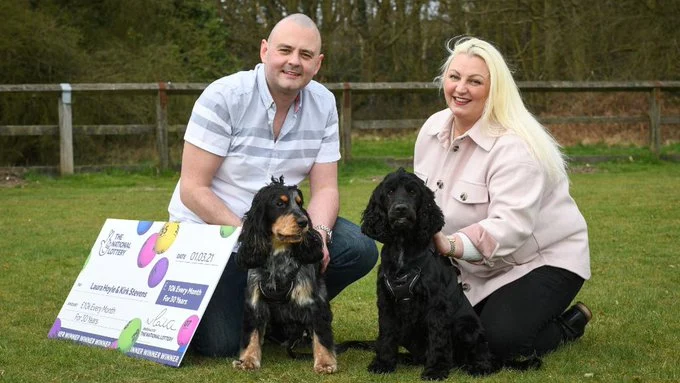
[521, 318]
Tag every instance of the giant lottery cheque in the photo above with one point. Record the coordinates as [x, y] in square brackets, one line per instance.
[145, 286]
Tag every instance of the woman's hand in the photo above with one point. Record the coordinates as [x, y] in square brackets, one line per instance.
[444, 245]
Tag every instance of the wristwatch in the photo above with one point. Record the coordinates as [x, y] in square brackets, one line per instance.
[329, 232]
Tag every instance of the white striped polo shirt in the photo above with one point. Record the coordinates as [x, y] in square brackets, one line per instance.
[233, 118]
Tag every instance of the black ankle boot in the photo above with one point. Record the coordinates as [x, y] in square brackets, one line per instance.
[574, 321]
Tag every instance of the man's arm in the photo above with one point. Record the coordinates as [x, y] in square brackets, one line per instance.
[198, 169]
[324, 202]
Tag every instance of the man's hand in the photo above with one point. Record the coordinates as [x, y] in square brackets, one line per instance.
[324, 202]
[326, 257]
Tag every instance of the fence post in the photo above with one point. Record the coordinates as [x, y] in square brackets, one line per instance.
[346, 123]
[65, 131]
[655, 121]
[162, 126]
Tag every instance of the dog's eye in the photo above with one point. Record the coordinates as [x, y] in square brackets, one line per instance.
[282, 201]
[390, 191]
[412, 191]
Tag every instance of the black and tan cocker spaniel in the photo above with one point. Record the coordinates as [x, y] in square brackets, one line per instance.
[421, 306]
[282, 253]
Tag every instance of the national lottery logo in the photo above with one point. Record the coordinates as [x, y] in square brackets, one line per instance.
[114, 244]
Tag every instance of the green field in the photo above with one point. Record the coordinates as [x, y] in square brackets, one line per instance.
[48, 226]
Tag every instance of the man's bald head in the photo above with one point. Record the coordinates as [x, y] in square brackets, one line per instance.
[301, 20]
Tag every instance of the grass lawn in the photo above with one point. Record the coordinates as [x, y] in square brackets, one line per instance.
[48, 227]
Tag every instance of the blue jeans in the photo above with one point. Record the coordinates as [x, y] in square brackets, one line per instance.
[352, 255]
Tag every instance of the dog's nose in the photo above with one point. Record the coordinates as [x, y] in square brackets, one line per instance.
[400, 208]
[302, 221]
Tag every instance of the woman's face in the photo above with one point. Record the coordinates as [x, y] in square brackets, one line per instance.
[466, 89]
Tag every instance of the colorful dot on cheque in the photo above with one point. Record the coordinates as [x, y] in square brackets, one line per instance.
[147, 253]
[166, 237]
[158, 272]
[186, 331]
[143, 227]
[129, 335]
[226, 231]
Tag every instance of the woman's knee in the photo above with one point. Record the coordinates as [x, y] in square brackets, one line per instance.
[507, 341]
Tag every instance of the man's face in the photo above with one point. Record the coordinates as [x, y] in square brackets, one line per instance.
[291, 58]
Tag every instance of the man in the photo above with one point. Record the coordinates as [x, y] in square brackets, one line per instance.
[244, 129]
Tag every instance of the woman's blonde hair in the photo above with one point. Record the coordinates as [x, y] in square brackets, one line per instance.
[505, 108]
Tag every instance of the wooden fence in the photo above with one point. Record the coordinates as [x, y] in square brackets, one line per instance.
[161, 91]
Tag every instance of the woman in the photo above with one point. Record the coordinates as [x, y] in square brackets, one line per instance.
[517, 235]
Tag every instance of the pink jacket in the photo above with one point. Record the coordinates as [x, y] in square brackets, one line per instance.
[494, 191]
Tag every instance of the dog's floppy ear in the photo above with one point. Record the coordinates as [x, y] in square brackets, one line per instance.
[430, 216]
[374, 221]
[310, 249]
[255, 236]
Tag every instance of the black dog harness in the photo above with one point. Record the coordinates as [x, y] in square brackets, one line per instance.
[282, 296]
[401, 287]
[279, 296]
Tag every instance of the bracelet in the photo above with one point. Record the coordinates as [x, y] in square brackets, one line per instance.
[329, 232]
[451, 252]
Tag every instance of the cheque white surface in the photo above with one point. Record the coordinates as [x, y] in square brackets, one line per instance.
[145, 286]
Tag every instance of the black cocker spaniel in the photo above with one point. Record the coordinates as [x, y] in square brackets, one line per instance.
[282, 253]
[421, 306]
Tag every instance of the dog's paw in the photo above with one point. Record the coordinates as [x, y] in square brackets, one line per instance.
[325, 368]
[246, 364]
[434, 374]
[378, 367]
[324, 360]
